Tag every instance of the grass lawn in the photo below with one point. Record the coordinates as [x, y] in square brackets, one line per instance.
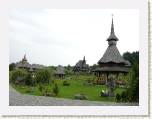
[76, 87]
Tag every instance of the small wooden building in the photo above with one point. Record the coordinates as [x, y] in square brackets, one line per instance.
[81, 66]
[60, 73]
[112, 61]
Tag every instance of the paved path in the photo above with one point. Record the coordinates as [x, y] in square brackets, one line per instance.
[17, 99]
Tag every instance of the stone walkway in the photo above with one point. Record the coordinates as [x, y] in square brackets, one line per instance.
[17, 99]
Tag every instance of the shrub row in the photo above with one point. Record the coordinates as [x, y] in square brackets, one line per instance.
[21, 76]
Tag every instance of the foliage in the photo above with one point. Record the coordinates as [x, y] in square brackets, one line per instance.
[18, 73]
[40, 88]
[133, 88]
[118, 97]
[133, 84]
[46, 91]
[124, 96]
[11, 66]
[51, 67]
[133, 57]
[21, 75]
[55, 89]
[69, 67]
[76, 87]
[29, 80]
[132, 92]
[69, 70]
[42, 76]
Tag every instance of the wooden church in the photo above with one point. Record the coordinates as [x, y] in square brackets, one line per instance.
[112, 63]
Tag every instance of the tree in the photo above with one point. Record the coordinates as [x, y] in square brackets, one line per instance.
[11, 66]
[55, 89]
[124, 96]
[69, 70]
[69, 67]
[133, 76]
[118, 97]
[133, 57]
[43, 76]
[29, 80]
[133, 90]
[18, 74]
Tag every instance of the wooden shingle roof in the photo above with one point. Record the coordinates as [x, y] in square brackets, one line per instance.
[112, 55]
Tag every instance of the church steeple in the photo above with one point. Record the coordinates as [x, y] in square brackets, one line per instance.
[112, 36]
[84, 61]
[112, 27]
[84, 58]
[24, 59]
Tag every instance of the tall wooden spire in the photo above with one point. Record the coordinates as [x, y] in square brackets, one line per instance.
[112, 54]
[24, 60]
[112, 36]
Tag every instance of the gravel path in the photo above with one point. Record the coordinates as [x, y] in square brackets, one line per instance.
[17, 99]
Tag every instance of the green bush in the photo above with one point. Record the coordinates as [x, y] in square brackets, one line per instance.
[29, 80]
[124, 96]
[11, 66]
[118, 97]
[43, 76]
[52, 81]
[40, 88]
[133, 85]
[56, 89]
[46, 91]
[18, 73]
[132, 92]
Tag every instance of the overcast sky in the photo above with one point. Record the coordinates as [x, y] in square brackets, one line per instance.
[64, 36]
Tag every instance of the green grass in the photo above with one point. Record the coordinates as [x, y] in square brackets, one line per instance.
[76, 87]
